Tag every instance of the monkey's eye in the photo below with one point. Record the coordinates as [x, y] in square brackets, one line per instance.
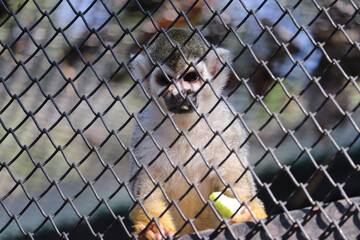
[163, 81]
[191, 77]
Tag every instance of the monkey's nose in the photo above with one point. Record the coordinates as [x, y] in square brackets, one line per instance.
[187, 92]
[181, 103]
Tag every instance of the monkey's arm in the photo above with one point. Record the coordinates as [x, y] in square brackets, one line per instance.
[244, 188]
[256, 208]
[229, 206]
[233, 171]
[155, 206]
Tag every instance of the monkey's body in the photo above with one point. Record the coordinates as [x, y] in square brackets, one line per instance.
[193, 149]
[194, 167]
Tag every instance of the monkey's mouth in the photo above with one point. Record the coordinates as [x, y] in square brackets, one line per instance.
[179, 105]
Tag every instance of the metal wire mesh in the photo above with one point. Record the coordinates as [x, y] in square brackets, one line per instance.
[69, 102]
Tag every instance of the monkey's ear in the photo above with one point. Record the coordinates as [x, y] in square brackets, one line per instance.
[215, 66]
[139, 66]
[214, 62]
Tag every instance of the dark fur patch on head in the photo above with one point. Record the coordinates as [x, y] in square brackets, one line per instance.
[194, 49]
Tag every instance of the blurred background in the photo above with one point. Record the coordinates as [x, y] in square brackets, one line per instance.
[67, 99]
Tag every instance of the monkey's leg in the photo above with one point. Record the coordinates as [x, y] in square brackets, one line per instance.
[155, 206]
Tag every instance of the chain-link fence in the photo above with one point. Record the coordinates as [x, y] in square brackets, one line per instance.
[70, 97]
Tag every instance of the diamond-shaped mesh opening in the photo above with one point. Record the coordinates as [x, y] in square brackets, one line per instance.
[91, 147]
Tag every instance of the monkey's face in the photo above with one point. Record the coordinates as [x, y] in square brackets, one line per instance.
[182, 96]
[177, 87]
[180, 93]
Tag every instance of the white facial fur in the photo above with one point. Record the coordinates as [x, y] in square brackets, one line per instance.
[208, 98]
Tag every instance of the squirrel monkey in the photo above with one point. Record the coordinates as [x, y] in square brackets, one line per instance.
[182, 136]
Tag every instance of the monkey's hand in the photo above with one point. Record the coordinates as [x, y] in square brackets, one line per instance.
[228, 206]
[243, 215]
[152, 232]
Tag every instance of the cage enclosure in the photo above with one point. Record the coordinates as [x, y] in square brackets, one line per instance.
[284, 74]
